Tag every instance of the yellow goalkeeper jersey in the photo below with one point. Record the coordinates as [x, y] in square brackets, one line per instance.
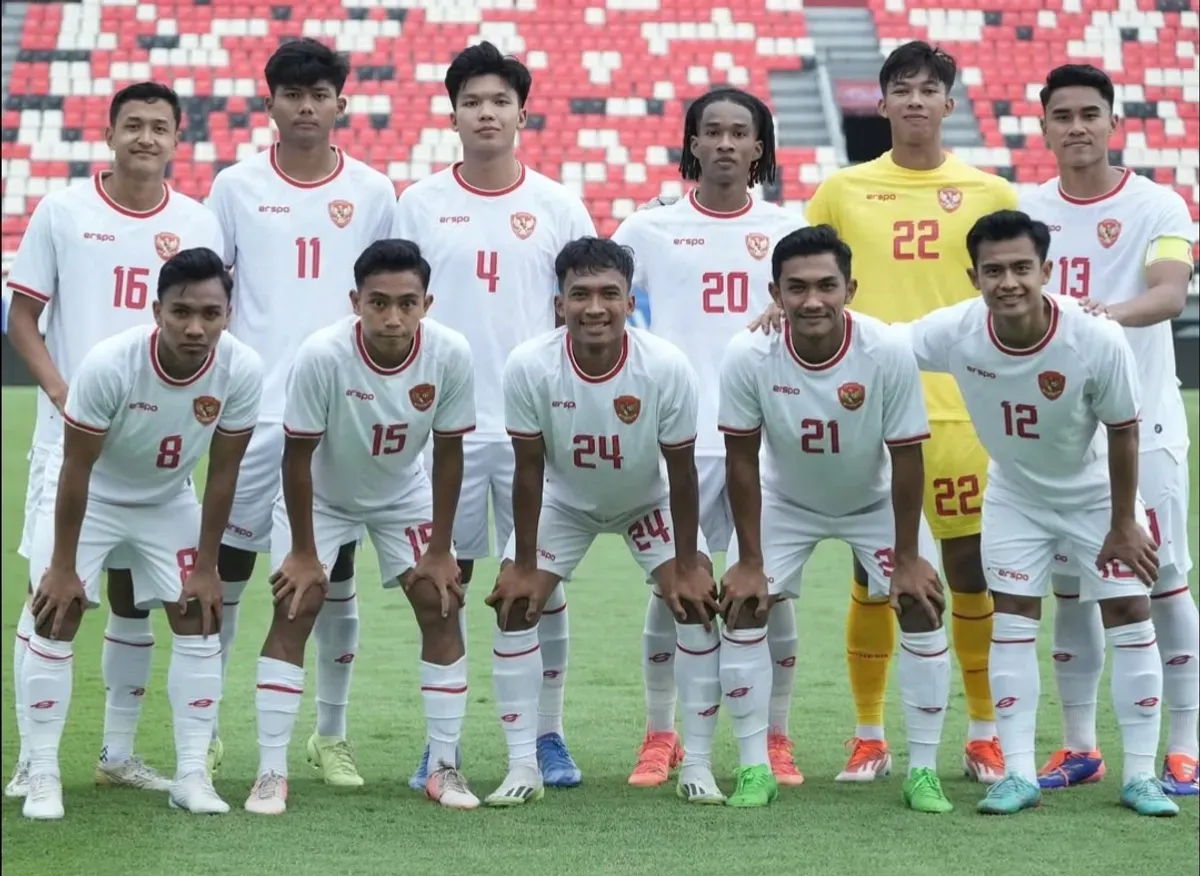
[908, 232]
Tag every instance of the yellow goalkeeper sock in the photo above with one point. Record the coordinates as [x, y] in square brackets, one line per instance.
[870, 640]
[971, 625]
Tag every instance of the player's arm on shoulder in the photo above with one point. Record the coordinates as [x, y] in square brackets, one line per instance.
[33, 281]
[739, 417]
[1169, 266]
[930, 337]
[679, 405]
[305, 418]
[453, 418]
[529, 450]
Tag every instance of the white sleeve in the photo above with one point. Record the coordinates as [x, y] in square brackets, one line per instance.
[1173, 219]
[1116, 394]
[679, 404]
[404, 218]
[455, 414]
[581, 223]
[904, 417]
[627, 235]
[220, 202]
[306, 409]
[930, 337]
[520, 409]
[96, 392]
[240, 413]
[35, 270]
[739, 411]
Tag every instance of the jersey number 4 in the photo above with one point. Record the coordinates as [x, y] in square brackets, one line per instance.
[487, 268]
[914, 240]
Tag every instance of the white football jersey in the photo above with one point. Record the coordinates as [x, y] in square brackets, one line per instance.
[492, 255]
[95, 266]
[705, 275]
[293, 246]
[826, 427]
[373, 421]
[602, 434]
[157, 428]
[1099, 249]
[1037, 411]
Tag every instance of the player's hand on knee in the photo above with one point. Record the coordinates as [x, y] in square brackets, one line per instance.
[769, 320]
[441, 570]
[296, 577]
[513, 584]
[1129, 544]
[917, 581]
[742, 584]
[57, 592]
[690, 591]
[204, 586]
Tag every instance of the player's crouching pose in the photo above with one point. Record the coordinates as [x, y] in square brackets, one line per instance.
[363, 398]
[591, 407]
[1039, 374]
[827, 396]
[142, 410]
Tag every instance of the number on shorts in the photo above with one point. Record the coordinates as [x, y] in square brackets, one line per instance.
[186, 560]
[1155, 531]
[650, 527]
[726, 293]
[886, 558]
[487, 268]
[590, 447]
[1117, 571]
[419, 537]
[954, 497]
[169, 450]
[819, 436]
[387, 440]
[1019, 420]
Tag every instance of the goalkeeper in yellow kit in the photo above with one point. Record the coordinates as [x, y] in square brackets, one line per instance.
[906, 217]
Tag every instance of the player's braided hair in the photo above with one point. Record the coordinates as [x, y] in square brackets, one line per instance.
[763, 169]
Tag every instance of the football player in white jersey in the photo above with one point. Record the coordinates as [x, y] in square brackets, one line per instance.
[295, 218]
[837, 402]
[491, 228]
[364, 396]
[1124, 243]
[704, 264]
[603, 423]
[143, 407]
[88, 263]
[1039, 374]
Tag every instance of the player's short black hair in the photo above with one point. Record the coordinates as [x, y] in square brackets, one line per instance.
[303, 63]
[591, 255]
[917, 57]
[487, 60]
[1007, 225]
[762, 170]
[810, 241]
[393, 256]
[193, 266]
[149, 92]
[1082, 75]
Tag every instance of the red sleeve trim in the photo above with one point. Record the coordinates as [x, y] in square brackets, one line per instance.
[525, 436]
[1125, 424]
[743, 433]
[83, 427]
[453, 433]
[296, 433]
[904, 442]
[234, 433]
[677, 445]
[30, 293]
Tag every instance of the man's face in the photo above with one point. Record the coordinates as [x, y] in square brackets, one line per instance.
[915, 106]
[1010, 276]
[144, 137]
[487, 115]
[726, 143]
[391, 306]
[594, 307]
[190, 319]
[1077, 126]
[813, 294]
[305, 114]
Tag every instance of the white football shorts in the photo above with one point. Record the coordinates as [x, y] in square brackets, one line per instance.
[259, 488]
[716, 520]
[487, 471]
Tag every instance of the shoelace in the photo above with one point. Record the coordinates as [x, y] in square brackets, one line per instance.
[658, 747]
[452, 779]
[927, 781]
[555, 746]
[21, 773]
[267, 786]
[1010, 784]
[1149, 787]
[41, 786]
[750, 780]
[341, 754]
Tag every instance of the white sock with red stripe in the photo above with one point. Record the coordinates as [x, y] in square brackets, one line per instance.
[125, 664]
[231, 599]
[1078, 662]
[444, 693]
[698, 679]
[553, 633]
[1137, 687]
[25, 626]
[924, 672]
[47, 678]
[280, 690]
[746, 683]
[1177, 623]
[516, 681]
[194, 688]
[1016, 687]
[336, 634]
[782, 639]
[658, 666]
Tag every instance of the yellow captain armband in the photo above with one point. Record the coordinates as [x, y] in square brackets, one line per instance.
[1170, 249]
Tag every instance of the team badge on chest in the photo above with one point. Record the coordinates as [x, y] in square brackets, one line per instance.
[523, 224]
[950, 199]
[627, 408]
[1107, 232]
[206, 408]
[758, 245]
[1052, 384]
[166, 244]
[341, 212]
[422, 396]
[852, 395]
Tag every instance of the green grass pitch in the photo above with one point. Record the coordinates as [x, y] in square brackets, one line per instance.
[603, 827]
